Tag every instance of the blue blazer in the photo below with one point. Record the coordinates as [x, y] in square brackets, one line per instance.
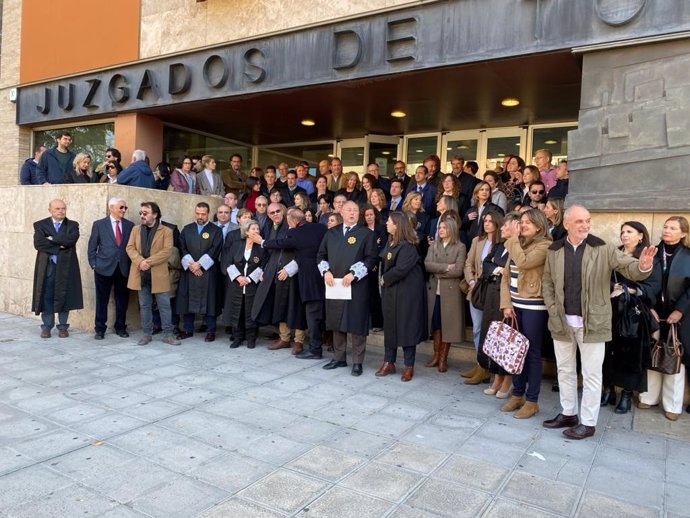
[104, 255]
[428, 196]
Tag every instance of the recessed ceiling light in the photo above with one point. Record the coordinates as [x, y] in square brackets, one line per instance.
[517, 144]
[449, 149]
[501, 154]
[385, 152]
[360, 154]
[463, 146]
[398, 114]
[419, 150]
[308, 122]
[510, 102]
[551, 141]
[330, 155]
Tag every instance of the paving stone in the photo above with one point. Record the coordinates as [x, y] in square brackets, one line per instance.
[383, 424]
[194, 396]
[231, 472]
[122, 511]
[108, 425]
[308, 430]
[10, 460]
[677, 499]
[637, 442]
[91, 461]
[555, 467]
[22, 426]
[501, 432]
[163, 388]
[284, 490]
[325, 463]
[447, 499]
[626, 486]
[677, 472]
[342, 502]
[52, 444]
[241, 508]
[182, 497]
[382, 481]
[89, 392]
[641, 463]
[230, 435]
[412, 457]
[268, 418]
[406, 411]
[405, 511]
[44, 403]
[493, 452]
[68, 501]
[76, 413]
[437, 436]
[231, 406]
[361, 444]
[549, 495]
[29, 484]
[167, 371]
[153, 410]
[121, 399]
[501, 508]
[304, 403]
[472, 473]
[273, 448]
[595, 504]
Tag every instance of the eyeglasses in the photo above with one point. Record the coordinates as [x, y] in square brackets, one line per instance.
[261, 205]
[143, 213]
[537, 192]
[123, 207]
[274, 212]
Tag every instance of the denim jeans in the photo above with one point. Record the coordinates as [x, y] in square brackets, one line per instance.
[476, 315]
[146, 313]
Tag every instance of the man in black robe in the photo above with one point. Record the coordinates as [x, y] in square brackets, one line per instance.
[348, 252]
[305, 238]
[277, 300]
[57, 280]
[200, 244]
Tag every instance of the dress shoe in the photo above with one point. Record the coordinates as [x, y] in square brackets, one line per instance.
[251, 343]
[98, 336]
[502, 395]
[170, 340]
[45, 333]
[490, 391]
[385, 369]
[210, 337]
[625, 403]
[608, 396]
[581, 431]
[308, 355]
[407, 373]
[297, 347]
[643, 406]
[202, 328]
[183, 335]
[356, 369]
[236, 343]
[122, 333]
[671, 416]
[146, 339]
[157, 330]
[63, 333]
[281, 344]
[334, 364]
[562, 421]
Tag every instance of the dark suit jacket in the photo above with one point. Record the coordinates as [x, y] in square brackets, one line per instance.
[104, 255]
[428, 197]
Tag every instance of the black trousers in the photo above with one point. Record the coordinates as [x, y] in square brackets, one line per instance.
[104, 285]
[314, 311]
[409, 354]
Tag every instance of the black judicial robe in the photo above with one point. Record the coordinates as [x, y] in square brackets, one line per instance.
[404, 296]
[278, 301]
[198, 294]
[235, 292]
[341, 252]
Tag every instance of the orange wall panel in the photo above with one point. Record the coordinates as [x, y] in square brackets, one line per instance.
[64, 37]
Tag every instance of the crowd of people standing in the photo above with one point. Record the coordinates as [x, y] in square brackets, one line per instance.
[330, 258]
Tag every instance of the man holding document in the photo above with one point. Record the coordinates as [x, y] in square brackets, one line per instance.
[346, 255]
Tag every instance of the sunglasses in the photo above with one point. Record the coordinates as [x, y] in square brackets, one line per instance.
[273, 213]
[261, 205]
[537, 192]
[112, 167]
[123, 207]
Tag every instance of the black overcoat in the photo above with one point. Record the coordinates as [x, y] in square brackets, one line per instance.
[677, 295]
[342, 252]
[404, 296]
[198, 294]
[68, 293]
[235, 294]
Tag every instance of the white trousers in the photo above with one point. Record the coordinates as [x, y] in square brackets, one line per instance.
[592, 356]
[670, 388]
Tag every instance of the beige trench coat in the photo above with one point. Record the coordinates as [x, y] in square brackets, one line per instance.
[452, 301]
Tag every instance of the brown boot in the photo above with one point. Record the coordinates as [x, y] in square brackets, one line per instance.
[470, 373]
[385, 369]
[480, 376]
[529, 409]
[443, 357]
[513, 404]
[437, 349]
[280, 344]
[407, 373]
[297, 347]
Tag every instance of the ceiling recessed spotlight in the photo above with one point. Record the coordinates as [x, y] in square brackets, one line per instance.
[360, 154]
[385, 152]
[449, 149]
[517, 144]
[330, 155]
[308, 122]
[398, 114]
[501, 154]
[510, 102]
[463, 146]
[551, 141]
[419, 151]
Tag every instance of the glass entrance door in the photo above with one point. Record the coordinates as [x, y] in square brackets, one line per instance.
[383, 150]
[502, 142]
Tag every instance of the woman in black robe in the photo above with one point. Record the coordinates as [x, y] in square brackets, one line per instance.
[244, 266]
[404, 296]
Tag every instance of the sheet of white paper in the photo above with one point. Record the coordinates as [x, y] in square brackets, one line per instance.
[338, 291]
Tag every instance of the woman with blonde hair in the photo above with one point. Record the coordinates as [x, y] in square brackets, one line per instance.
[522, 299]
[208, 179]
[553, 210]
[352, 191]
[444, 262]
[81, 169]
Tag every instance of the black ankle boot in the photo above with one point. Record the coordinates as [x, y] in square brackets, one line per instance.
[608, 396]
[625, 403]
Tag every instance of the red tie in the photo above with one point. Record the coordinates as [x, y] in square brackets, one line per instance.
[118, 234]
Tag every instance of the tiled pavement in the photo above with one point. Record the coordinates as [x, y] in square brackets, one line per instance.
[111, 429]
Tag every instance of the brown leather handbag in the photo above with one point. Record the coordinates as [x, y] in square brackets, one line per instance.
[667, 356]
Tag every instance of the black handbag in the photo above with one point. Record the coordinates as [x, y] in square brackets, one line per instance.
[478, 297]
[667, 355]
[629, 311]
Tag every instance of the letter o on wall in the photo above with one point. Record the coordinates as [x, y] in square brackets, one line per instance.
[215, 71]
